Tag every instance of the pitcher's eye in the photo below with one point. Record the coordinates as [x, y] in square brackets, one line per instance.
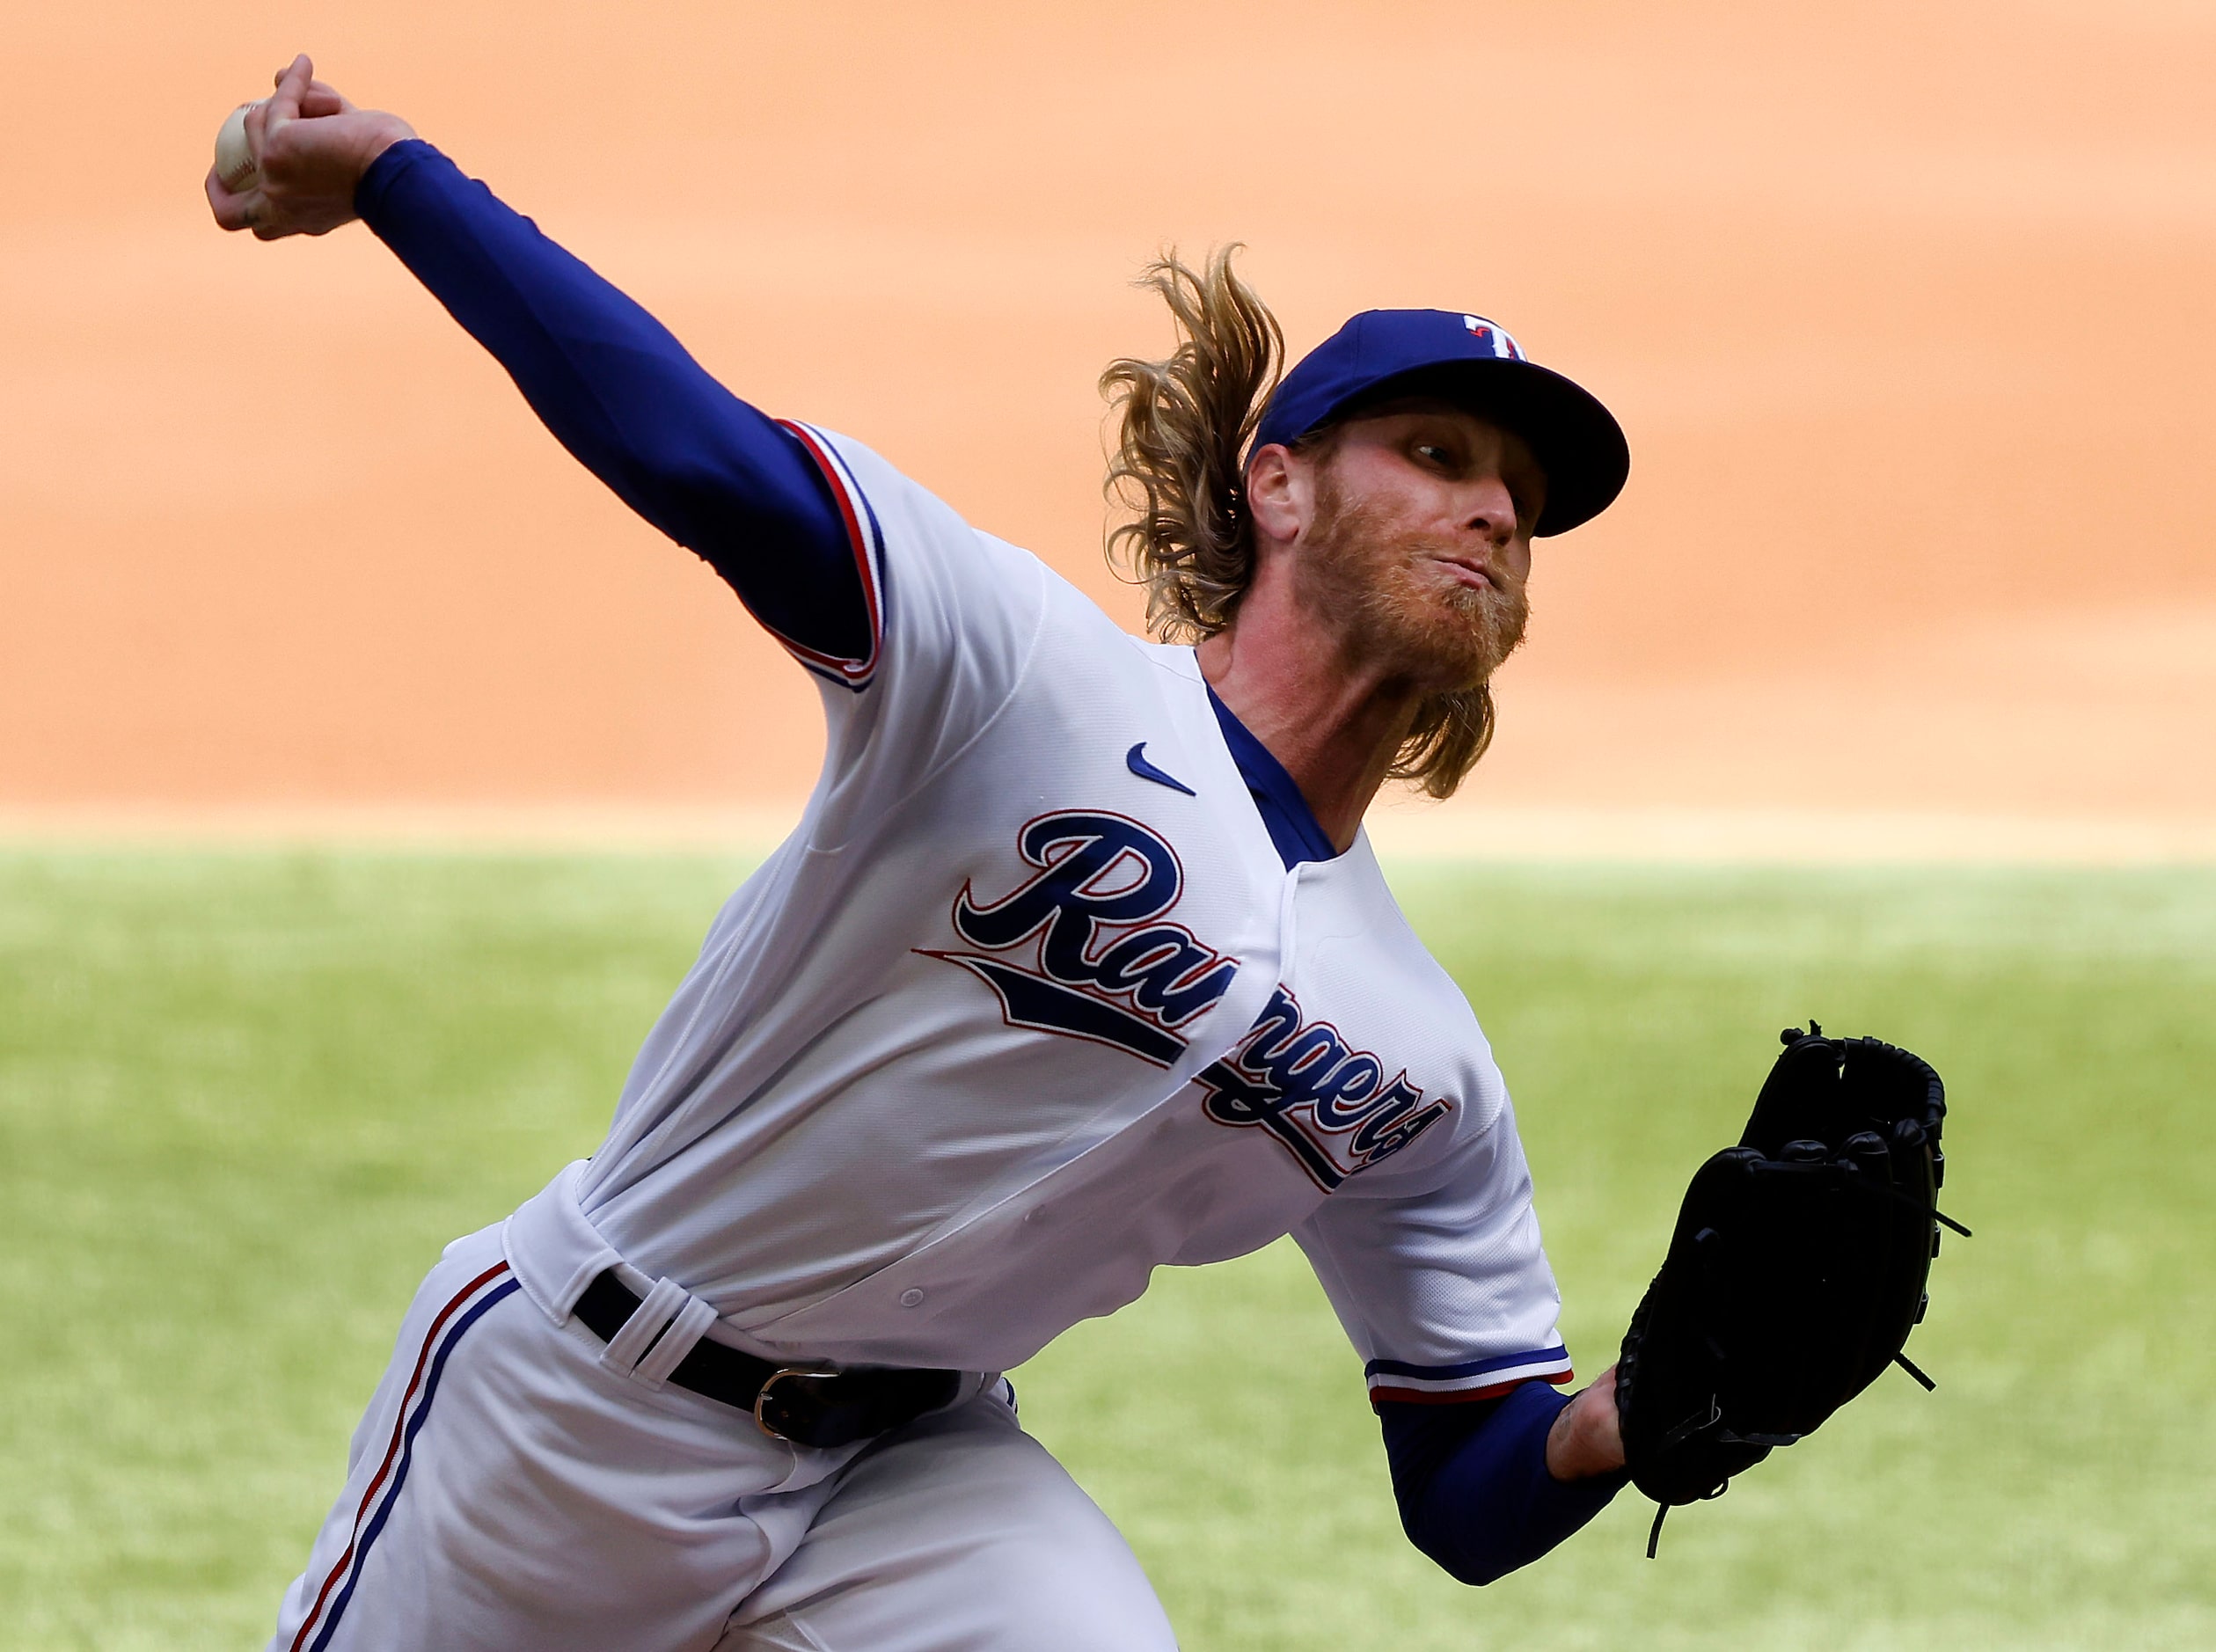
[1434, 453]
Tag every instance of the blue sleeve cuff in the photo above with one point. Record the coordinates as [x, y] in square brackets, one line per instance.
[1473, 1486]
[370, 191]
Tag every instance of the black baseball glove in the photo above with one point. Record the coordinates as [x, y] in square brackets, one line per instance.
[1796, 1271]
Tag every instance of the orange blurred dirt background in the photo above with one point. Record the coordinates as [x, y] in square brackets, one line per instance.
[1906, 309]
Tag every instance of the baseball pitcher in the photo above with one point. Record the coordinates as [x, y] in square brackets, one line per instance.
[1079, 964]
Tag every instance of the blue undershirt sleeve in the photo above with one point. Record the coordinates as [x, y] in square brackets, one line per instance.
[1472, 1482]
[621, 393]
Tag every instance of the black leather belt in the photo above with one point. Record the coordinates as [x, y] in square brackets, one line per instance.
[809, 1405]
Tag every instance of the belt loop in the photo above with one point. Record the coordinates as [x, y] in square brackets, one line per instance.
[555, 1251]
[684, 1331]
[629, 1346]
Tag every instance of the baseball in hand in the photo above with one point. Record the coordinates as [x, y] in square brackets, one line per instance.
[235, 167]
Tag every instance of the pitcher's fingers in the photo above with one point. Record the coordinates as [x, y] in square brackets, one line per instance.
[322, 98]
[230, 209]
[283, 105]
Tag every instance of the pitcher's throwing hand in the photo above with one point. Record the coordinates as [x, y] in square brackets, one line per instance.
[309, 147]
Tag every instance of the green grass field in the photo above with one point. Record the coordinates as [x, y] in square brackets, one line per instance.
[246, 1098]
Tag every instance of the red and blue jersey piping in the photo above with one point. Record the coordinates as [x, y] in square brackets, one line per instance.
[867, 541]
[1471, 1379]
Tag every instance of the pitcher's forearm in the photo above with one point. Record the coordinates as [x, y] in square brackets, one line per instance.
[1477, 1486]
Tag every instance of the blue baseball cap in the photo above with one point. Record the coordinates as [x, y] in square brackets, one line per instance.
[1384, 354]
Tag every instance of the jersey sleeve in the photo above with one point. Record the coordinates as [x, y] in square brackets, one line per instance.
[956, 618]
[1439, 1274]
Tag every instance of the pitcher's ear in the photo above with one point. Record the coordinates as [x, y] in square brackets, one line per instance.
[1279, 493]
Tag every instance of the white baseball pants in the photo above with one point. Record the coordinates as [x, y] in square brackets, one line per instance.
[518, 1485]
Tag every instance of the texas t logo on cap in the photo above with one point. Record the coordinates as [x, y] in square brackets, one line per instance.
[1494, 337]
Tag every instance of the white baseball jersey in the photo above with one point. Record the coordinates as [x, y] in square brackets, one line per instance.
[1029, 1006]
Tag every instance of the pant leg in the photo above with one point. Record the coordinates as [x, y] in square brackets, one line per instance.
[958, 1534]
[508, 1491]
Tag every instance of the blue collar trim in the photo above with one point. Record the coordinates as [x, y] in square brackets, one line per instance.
[1291, 823]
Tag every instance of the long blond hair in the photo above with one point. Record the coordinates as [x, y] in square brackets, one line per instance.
[1178, 472]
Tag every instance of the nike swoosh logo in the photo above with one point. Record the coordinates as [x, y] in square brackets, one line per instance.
[1135, 760]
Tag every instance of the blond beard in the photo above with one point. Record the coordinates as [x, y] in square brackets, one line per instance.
[1359, 571]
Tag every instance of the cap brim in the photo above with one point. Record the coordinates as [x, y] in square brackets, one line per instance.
[1576, 440]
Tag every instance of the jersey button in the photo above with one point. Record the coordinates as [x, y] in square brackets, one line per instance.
[911, 1297]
